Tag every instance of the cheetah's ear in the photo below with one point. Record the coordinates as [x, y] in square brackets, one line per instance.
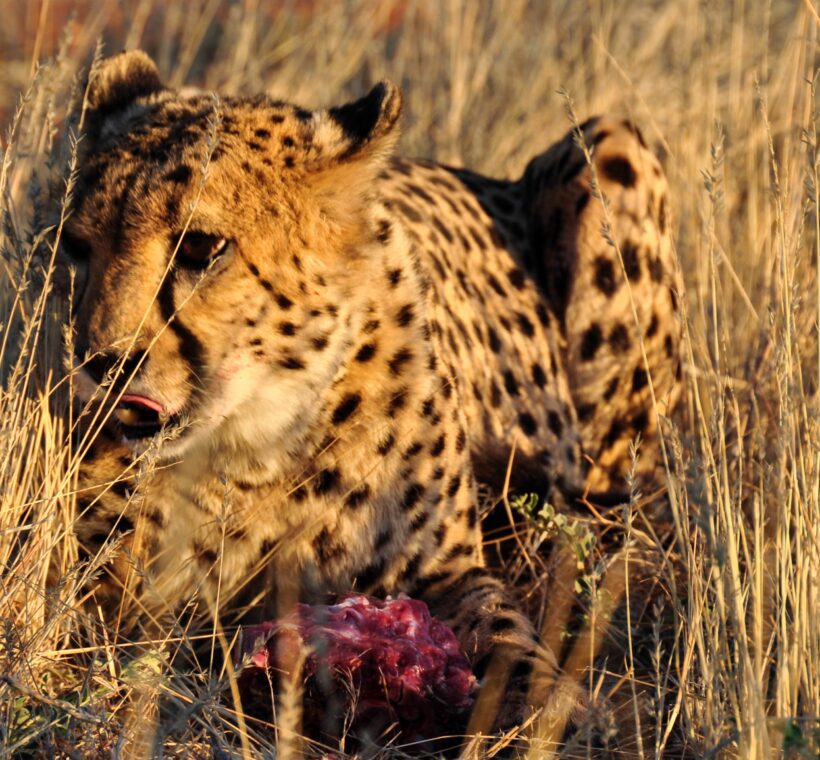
[119, 80]
[362, 128]
[351, 144]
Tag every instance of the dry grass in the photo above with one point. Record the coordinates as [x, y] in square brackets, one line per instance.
[717, 652]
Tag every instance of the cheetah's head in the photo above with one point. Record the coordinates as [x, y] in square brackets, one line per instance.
[217, 243]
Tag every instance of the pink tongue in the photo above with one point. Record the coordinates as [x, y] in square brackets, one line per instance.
[132, 398]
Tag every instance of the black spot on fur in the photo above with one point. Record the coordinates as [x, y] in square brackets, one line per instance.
[656, 269]
[408, 211]
[527, 423]
[496, 285]
[461, 440]
[205, 555]
[397, 402]
[614, 432]
[358, 496]
[366, 352]
[412, 496]
[405, 315]
[284, 302]
[428, 407]
[384, 232]
[640, 421]
[179, 175]
[325, 481]
[662, 215]
[411, 568]
[458, 550]
[398, 360]
[325, 548]
[291, 362]
[385, 537]
[412, 451]
[386, 445]
[495, 395]
[525, 324]
[639, 379]
[605, 276]
[495, 342]
[538, 376]
[510, 383]
[367, 577]
[445, 233]
[420, 192]
[155, 517]
[632, 262]
[555, 424]
[438, 446]
[585, 412]
[612, 387]
[517, 278]
[347, 406]
[591, 342]
[619, 338]
[419, 521]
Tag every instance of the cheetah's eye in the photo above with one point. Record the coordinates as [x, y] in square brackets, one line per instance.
[197, 250]
[78, 251]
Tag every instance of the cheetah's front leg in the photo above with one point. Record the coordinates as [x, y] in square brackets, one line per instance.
[517, 676]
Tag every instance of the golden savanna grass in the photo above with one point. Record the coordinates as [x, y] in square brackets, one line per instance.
[697, 627]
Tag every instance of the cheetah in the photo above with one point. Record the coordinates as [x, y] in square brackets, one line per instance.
[319, 348]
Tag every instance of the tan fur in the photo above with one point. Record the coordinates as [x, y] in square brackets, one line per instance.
[375, 324]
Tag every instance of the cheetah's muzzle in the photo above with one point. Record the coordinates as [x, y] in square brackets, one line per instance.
[140, 417]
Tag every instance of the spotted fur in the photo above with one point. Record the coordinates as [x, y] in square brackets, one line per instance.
[375, 333]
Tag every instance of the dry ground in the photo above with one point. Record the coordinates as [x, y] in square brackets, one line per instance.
[717, 652]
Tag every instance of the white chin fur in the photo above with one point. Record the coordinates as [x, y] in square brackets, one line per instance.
[250, 417]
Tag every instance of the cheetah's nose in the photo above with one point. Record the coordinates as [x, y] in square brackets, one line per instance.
[102, 363]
